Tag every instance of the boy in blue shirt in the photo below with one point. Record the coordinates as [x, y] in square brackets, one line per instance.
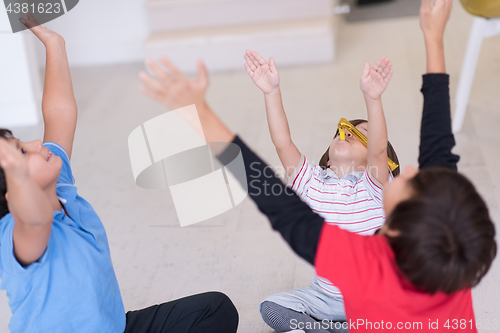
[55, 261]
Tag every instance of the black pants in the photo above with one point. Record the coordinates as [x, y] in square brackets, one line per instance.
[202, 313]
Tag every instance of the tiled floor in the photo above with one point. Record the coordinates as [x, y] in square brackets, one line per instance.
[155, 261]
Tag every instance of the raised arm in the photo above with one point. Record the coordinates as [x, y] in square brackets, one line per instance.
[433, 20]
[28, 204]
[373, 83]
[58, 104]
[436, 136]
[299, 226]
[266, 77]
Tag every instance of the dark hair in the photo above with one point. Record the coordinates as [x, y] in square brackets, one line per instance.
[4, 210]
[445, 239]
[391, 153]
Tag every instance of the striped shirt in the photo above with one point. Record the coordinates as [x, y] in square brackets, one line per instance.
[353, 203]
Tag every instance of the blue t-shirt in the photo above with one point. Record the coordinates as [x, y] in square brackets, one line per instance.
[72, 287]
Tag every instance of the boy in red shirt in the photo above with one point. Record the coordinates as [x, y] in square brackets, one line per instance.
[437, 242]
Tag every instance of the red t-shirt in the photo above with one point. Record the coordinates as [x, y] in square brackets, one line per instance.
[377, 296]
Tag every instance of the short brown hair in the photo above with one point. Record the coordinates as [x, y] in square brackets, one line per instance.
[4, 209]
[391, 153]
[445, 240]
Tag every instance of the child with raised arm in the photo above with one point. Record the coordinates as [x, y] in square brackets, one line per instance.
[345, 188]
[55, 260]
[438, 240]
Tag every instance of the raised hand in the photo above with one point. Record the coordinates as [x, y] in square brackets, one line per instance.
[264, 75]
[375, 79]
[45, 35]
[433, 19]
[11, 160]
[171, 87]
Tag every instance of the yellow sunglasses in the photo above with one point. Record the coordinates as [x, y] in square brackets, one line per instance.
[344, 124]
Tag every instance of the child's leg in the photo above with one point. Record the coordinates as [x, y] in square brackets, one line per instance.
[282, 319]
[283, 311]
[202, 313]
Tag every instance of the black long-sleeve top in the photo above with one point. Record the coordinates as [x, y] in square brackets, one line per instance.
[436, 137]
[294, 219]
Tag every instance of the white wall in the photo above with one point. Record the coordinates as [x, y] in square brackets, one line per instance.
[96, 32]
[103, 31]
[20, 91]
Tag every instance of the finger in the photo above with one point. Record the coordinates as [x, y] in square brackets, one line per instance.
[250, 62]
[426, 4]
[387, 69]
[448, 4]
[176, 73]
[8, 154]
[30, 22]
[366, 69]
[254, 60]
[272, 65]
[249, 70]
[27, 23]
[150, 82]
[377, 64]
[150, 93]
[202, 76]
[382, 69]
[438, 5]
[33, 19]
[248, 54]
[160, 73]
[4, 164]
[389, 76]
[245, 56]
[382, 64]
[259, 58]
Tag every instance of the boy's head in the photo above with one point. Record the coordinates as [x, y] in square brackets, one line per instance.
[439, 229]
[43, 167]
[352, 150]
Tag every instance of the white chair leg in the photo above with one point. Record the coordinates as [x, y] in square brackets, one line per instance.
[468, 70]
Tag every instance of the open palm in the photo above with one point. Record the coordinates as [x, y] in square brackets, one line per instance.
[264, 75]
[11, 159]
[171, 87]
[375, 79]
